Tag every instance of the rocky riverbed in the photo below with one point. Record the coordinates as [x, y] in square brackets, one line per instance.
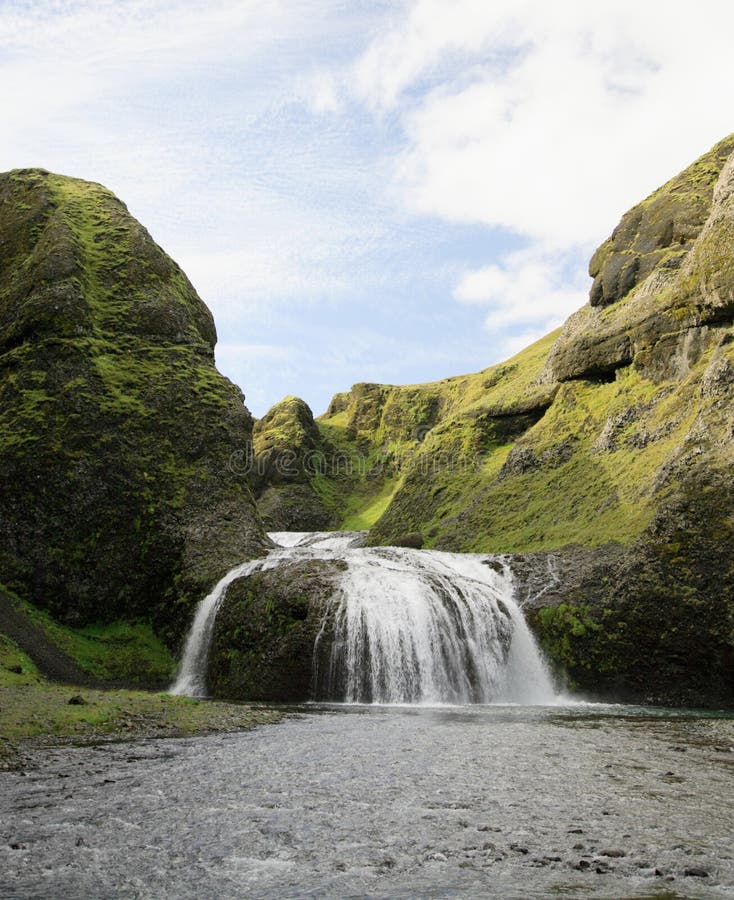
[508, 802]
[36, 716]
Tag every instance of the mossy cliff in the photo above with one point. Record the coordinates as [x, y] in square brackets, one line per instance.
[420, 453]
[287, 458]
[121, 497]
[602, 453]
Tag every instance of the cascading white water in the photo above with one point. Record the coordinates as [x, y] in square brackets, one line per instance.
[191, 678]
[414, 626]
[403, 626]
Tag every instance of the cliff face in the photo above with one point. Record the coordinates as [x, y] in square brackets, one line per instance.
[119, 496]
[287, 458]
[662, 280]
[602, 454]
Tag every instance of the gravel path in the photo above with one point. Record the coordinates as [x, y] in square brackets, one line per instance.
[50, 660]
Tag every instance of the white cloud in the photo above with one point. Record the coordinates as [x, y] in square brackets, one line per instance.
[529, 288]
[321, 92]
[549, 118]
[423, 42]
[64, 56]
[546, 120]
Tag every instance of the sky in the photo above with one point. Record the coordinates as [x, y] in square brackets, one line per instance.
[364, 190]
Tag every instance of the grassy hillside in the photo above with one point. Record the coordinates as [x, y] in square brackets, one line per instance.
[583, 437]
[124, 651]
[593, 469]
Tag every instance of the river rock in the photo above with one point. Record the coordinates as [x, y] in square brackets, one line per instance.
[264, 634]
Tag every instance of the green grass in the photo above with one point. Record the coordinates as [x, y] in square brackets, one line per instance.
[11, 657]
[31, 707]
[368, 509]
[116, 651]
[595, 497]
[119, 651]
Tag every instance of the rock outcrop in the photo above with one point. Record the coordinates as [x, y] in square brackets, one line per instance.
[661, 280]
[289, 456]
[266, 629]
[119, 496]
[652, 622]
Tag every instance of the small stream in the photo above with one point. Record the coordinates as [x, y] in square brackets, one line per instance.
[374, 801]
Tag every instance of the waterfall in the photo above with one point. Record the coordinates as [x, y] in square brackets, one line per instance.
[410, 626]
[403, 626]
[191, 678]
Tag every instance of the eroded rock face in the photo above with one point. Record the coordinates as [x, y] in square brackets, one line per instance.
[119, 497]
[650, 623]
[266, 629]
[659, 232]
[666, 270]
[289, 453]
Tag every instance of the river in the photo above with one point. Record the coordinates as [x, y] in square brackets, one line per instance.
[369, 801]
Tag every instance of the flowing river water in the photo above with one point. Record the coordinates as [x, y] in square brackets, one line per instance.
[487, 784]
[363, 801]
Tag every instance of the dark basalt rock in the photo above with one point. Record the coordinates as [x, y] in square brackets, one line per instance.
[117, 434]
[413, 540]
[293, 507]
[659, 232]
[647, 623]
[265, 631]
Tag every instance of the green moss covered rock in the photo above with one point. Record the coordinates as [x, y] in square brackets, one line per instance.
[119, 496]
[290, 455]
[266, 629]
[659, 232]
[650, 623]
[663, 275]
